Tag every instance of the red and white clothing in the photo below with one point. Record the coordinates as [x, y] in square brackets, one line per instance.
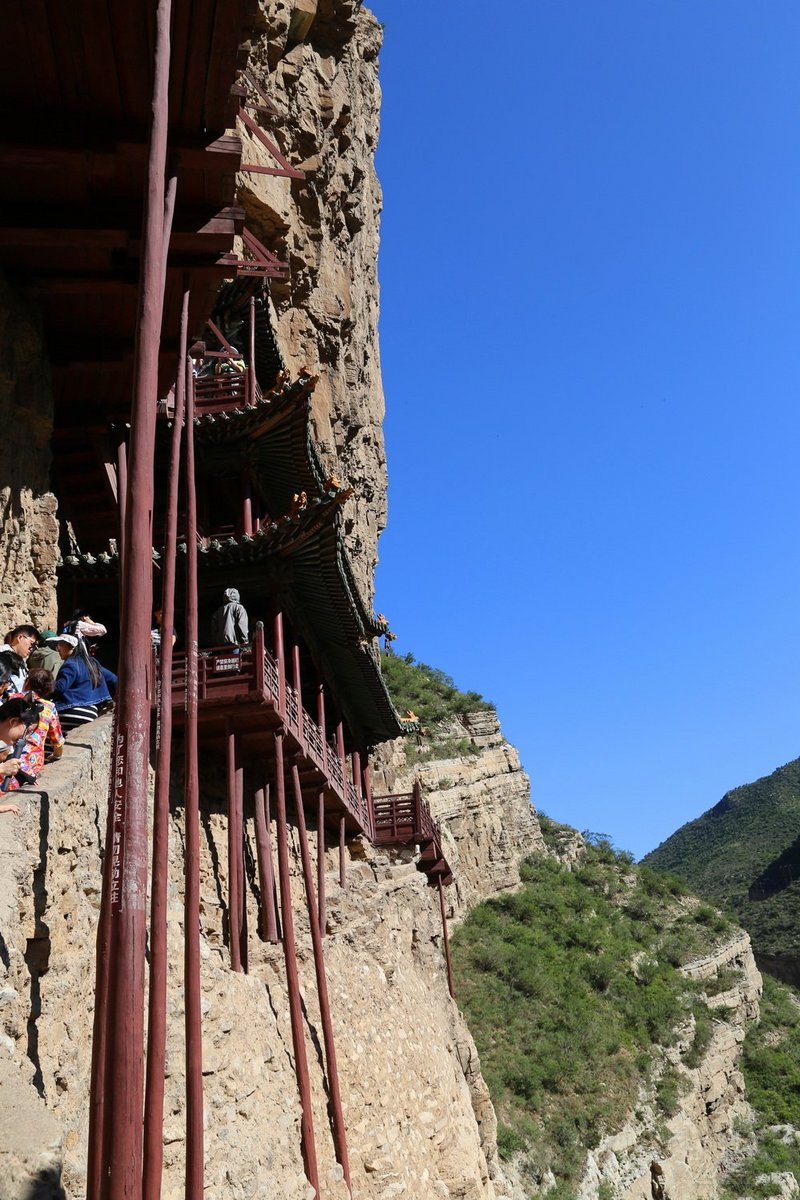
[40, 742]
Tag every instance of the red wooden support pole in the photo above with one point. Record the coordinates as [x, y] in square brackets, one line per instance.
[266, 877]
[247, 501]
[234, 909]
[337, 1116]
[355, 767]
[251, 362]
[157, 999]
[280, 659]
[122, 498]
[297, 683]
[450, 988]
[342, 854]
[292, 980]
[239, 834]
[97, 1093]
[191, 912]
[366, 776]
[121, 1079]
[321, 720]
[321, 861]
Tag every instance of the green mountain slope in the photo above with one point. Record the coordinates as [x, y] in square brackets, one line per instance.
[745, 854]
[572, 990]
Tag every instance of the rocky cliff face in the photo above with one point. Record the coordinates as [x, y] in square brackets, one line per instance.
[684, 1159]
[418, 1115]
[28, 523]
[474, 783]
[326, 227]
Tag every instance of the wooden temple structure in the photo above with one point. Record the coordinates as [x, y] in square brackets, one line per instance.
[184, 463]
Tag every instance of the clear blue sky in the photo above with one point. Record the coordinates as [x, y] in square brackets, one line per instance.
[590, 330]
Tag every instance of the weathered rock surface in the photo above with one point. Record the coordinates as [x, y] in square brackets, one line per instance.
[685, 1162]
[417, 1111]
[476, 786]
[28, 523]
[326, 228]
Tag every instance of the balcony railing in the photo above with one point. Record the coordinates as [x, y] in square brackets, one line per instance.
[225, 392]
[405, 818]
[230, 673]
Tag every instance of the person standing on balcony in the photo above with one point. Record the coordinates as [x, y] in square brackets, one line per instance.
[229, 624]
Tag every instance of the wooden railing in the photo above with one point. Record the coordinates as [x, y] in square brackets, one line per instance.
[226, 392]
[225, 673]
[404, 818]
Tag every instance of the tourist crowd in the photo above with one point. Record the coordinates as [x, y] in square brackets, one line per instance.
[50, 683]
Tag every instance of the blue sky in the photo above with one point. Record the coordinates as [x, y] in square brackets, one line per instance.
[590, 265]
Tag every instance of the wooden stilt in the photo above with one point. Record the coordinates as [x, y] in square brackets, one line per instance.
[157, 998]
[234, 908]
[342, 854]
[191, 914]
[321, 861]
[450, 988]
[117, 1089]
[366, 778]
[337, 1116]
[266, 878]
[292, 980]
[239, 834]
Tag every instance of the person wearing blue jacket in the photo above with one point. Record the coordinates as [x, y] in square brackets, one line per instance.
[81, 684]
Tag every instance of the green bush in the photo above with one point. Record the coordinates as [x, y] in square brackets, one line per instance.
[570, 996]
[427, 691]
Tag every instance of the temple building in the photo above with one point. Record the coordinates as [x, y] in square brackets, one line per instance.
[185, 464]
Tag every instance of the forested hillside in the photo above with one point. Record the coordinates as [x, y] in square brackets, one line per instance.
[574, 991]
[744, 854]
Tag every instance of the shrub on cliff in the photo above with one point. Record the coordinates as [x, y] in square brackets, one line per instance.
[571, 993]
[427, 691]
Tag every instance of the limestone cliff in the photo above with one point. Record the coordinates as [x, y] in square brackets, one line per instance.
[685, 1158]
[474, 782]
[418, 1115]
[326, 228]
[28, 524]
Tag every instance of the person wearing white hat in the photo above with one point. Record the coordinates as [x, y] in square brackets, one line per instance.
[81, 685]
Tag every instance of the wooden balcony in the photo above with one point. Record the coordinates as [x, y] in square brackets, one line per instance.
[229, 392]
[242, 686]
[406, 819]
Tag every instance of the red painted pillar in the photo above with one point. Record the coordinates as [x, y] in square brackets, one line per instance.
[234, 907]
[122, 498]
[321, 861]
[157, 998]
[247, 501]
[292, 980]
[242, 915]
[191, 911]
[321, 720]
[355, 768]
[121, 1079]
[266, 877]
[366, 776]
[297, 683]
[251, 362]
[280, 659]
[450, 987]
[337, 1116]
[342, 854]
